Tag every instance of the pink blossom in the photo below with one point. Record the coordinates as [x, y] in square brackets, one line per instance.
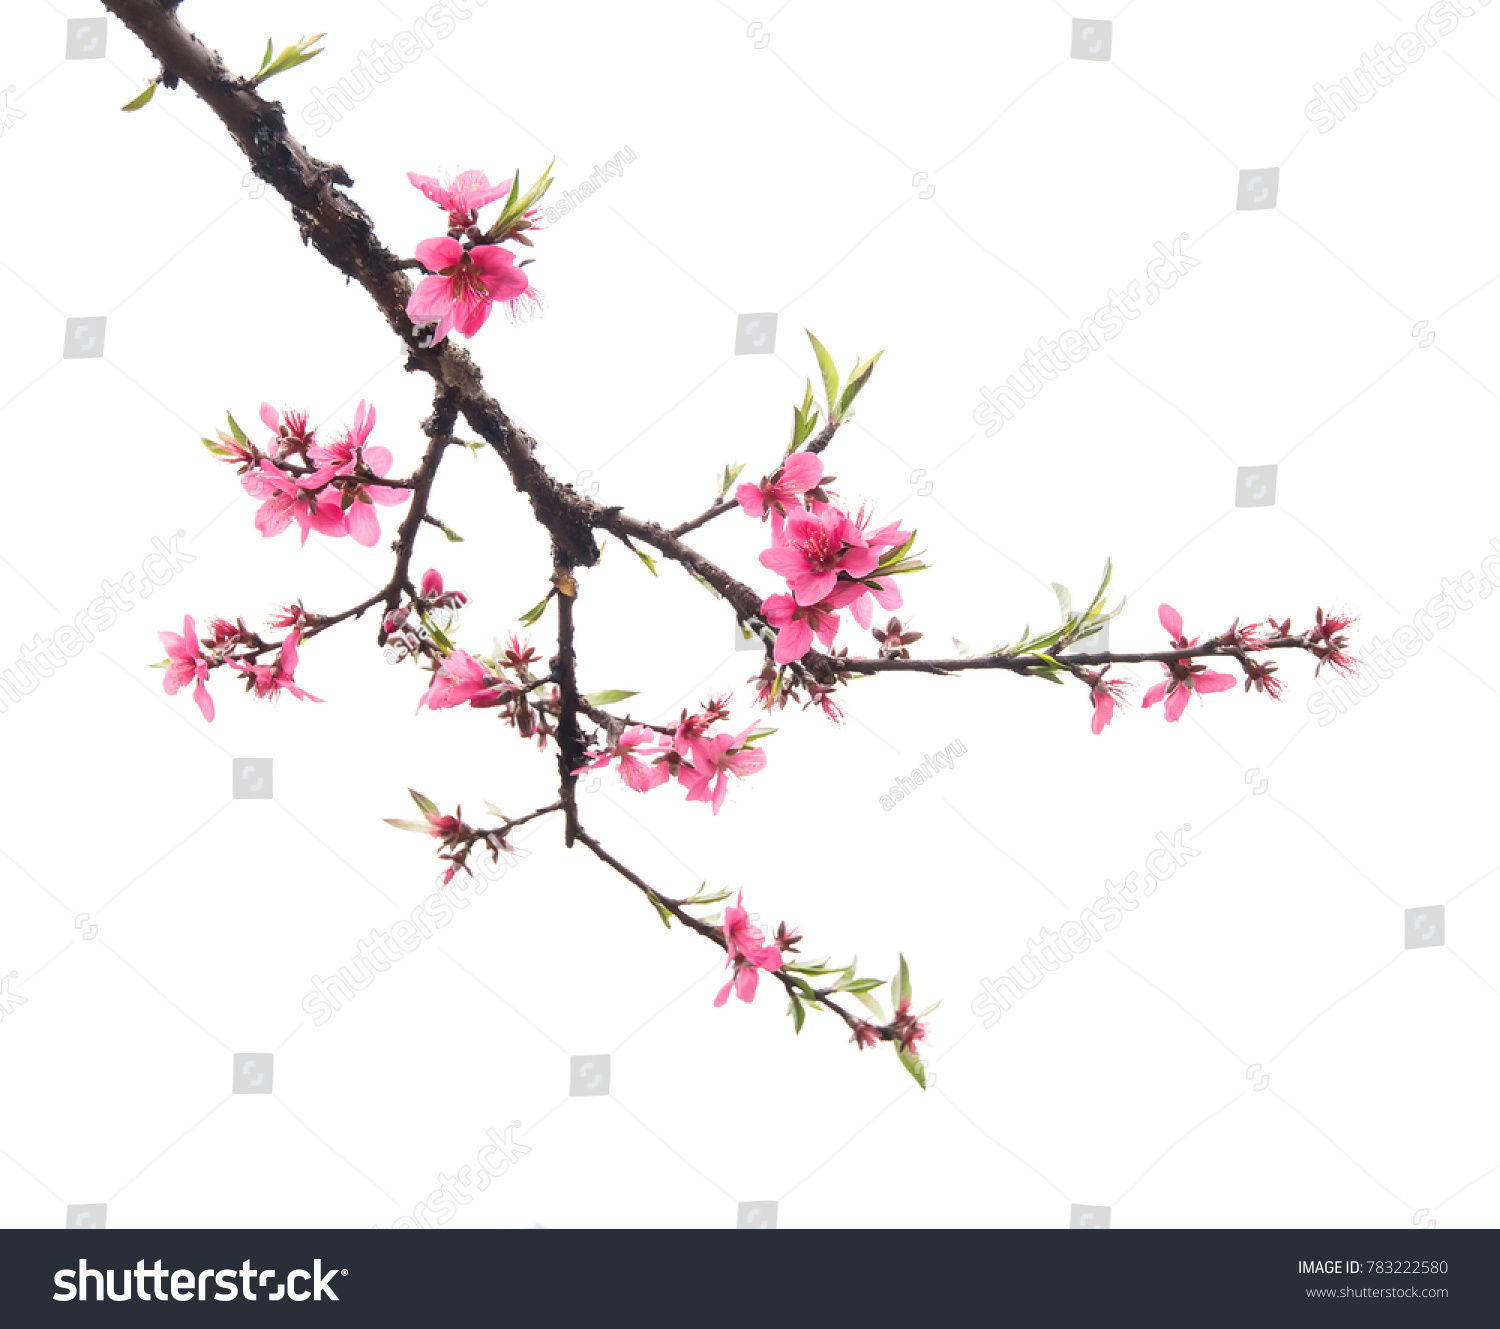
[1183, 676]
[290, 428]
[783, 489]
[637, 774]
[287, 500]
[714, 760]
[748, 954]
[796, 625]
[909, 1031]
[272, 680]
[816, 547]
[460, 678]
[1104, 693]
[468, 192]
[187, 665]
[432, 584]
[465, 286]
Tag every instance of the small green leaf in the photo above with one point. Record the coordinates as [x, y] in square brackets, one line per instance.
[914, 1064]
[797, 1013]
[870, 1004]
[135, 103]
[857, 380]
[707, 585]
[859, 985]
[535, 612]
[829, 373]
[426, 804]
[666, 915]
[214, 447]
[162, 664]
[1064, 600]
[239, 434]
[266, 58]
[493, 810]
[704, 896]
[607, 698]
[648, 561]
[731, 474]
[901, 984]
[453, 536]
[405, 824]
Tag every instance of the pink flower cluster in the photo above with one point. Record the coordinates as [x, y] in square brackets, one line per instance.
[524, 702]
[189, 660]
[748, 954]
[331, 488]
[701, 761]
[828, 558]
[466, 281]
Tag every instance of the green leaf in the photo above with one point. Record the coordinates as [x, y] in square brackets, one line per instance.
[135, 103]
[453, 536]
[239, 434]
[797, 1013]
[901, 984]
[405, 824]
[666, 915]
[426, 804]
[870, 1004]
[266, 58]
[607, 698]
[913, 1063]
[648, 561]
[493, 810]
[896, 555]
[731, 474]
[830, 374]
[531, 616]
[858, 377]
[711, 897]
[297, 53]
[859, 985]
[214, 447]
[1064, 600]
[707, 585]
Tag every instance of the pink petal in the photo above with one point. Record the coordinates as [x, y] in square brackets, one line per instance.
[811, 587]
[1212, 681]
[793, 641]
[269, 417]
[784, 561]
[1171, 620]
[1154, 695]
[440, 253]
[1177, 702]
[363, 524]
[432, 299]
[205, 702]
[802, 471]
[751, 499]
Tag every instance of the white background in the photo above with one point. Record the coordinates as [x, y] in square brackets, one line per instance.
[771, 176]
